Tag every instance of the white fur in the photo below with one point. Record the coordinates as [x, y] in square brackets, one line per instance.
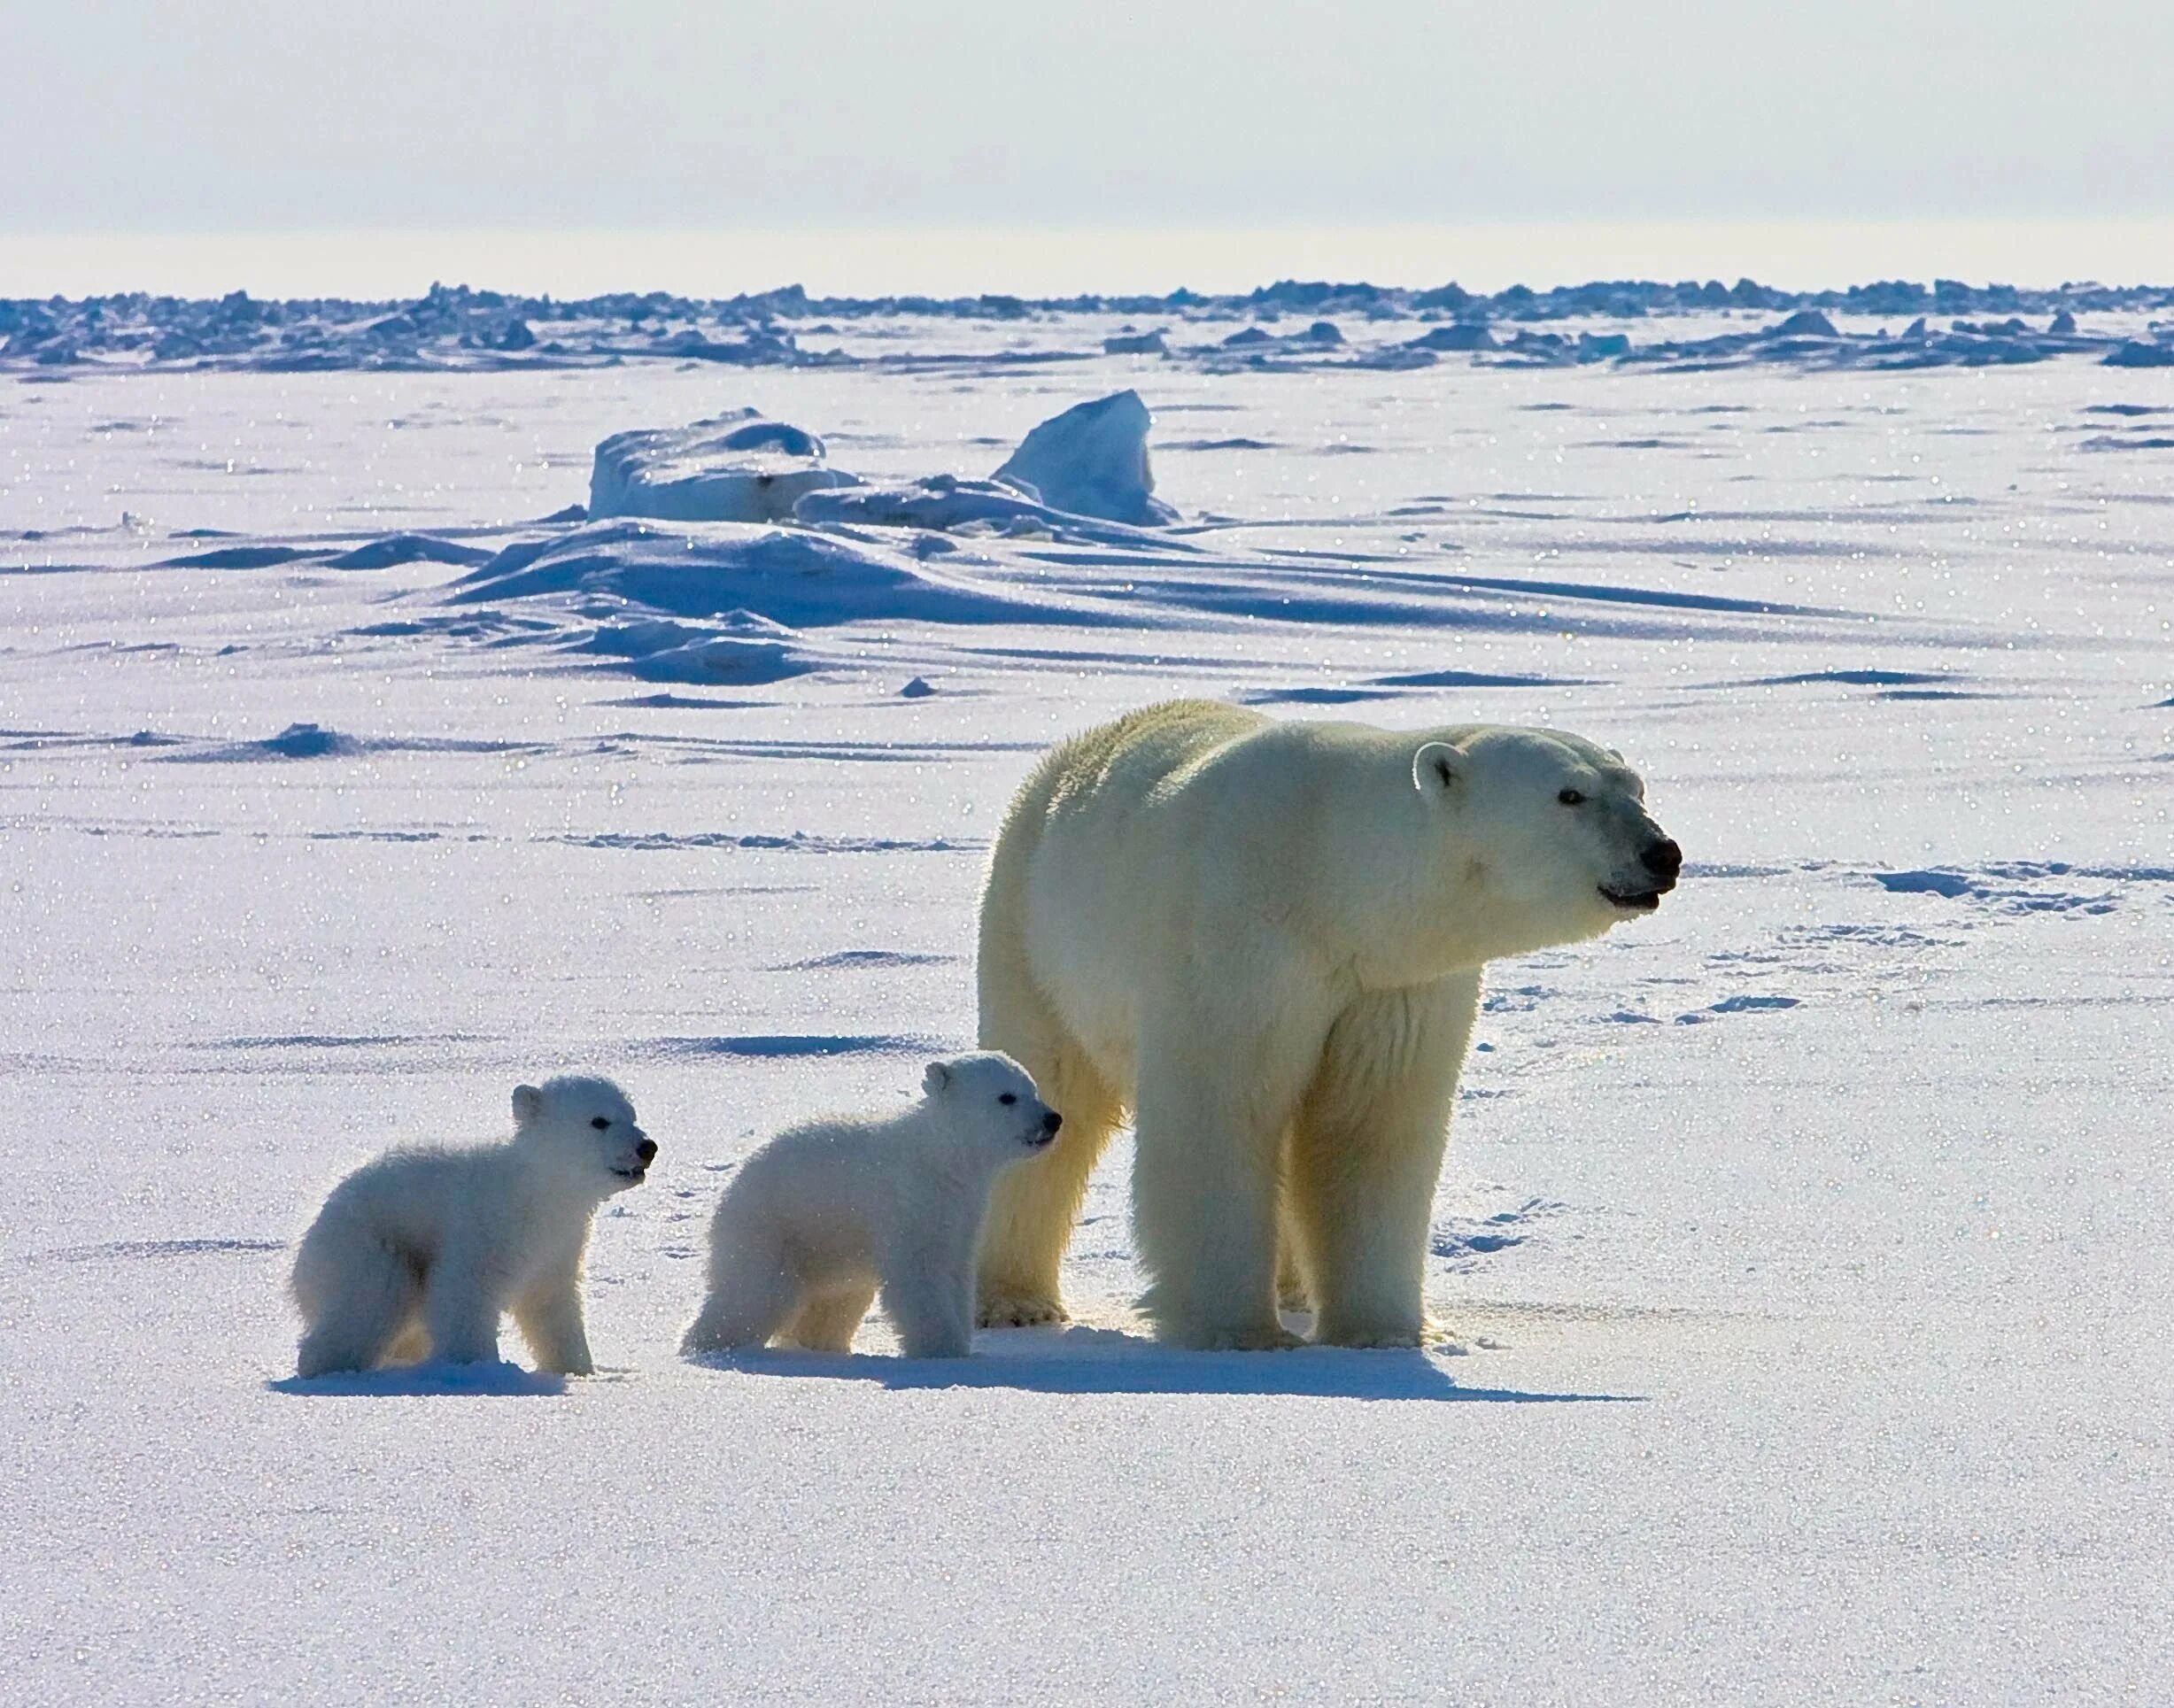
[1265, 938]
[828, 1213]
[418, 1254]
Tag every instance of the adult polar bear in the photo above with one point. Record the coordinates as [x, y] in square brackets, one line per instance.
[1265, 938]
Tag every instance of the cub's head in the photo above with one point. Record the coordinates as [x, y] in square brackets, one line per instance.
[1550, 833]
[583, 1128]
[991, 1098]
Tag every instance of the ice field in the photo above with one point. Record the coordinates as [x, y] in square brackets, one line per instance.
[1805, 1251]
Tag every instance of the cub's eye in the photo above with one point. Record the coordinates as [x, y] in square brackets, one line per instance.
[1571, 798]
[600, 1122]
[1008, 1099]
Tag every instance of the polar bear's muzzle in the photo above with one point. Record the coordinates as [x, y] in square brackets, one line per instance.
[1663, 863]
[1041, 1136]
[634, 1173]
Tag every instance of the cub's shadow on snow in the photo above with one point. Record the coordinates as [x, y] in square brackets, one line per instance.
[1084, 1360]
[500, 1380]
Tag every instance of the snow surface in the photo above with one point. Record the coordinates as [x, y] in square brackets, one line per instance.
[1804, 1247]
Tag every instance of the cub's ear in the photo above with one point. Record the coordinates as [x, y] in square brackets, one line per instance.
[1436, 768]
[528, 1104]
[936, 1079]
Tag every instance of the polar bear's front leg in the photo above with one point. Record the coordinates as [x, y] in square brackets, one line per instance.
[1367, 1154]
[1211, 1116]
[549, 1316]
[927, 1278]
[461, 1311]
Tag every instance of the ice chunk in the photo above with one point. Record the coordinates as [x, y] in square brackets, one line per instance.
[1461, 335]
[1092, 460]
[1805, 323]
[737, 467]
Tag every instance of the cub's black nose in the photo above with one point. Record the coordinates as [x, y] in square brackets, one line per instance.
[1052, 1121]
[1663, 858]
[646, 1150]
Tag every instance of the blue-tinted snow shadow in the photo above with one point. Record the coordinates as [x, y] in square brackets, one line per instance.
[1082, 1360]
[500, 1380]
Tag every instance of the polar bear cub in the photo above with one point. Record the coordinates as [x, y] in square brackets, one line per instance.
[417, 1254]
[827, 1214]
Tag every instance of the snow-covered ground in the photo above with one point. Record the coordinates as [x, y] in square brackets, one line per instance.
[1806, 1247]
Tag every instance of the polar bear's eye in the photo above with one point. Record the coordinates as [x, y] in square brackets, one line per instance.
[1571, 798]
[1008, 1099]
[600, 1122]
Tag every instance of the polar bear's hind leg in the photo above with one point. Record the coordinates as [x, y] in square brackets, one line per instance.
[826, 1322]
[357, 1295]
[752, 1295]
[1033, 1207]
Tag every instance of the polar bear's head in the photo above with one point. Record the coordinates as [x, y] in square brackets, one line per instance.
[582, 1129]
[1547, 834]
[990, 1099]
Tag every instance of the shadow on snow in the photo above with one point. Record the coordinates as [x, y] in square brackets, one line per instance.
[1082, 1360]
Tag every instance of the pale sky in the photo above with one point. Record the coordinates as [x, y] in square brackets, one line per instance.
[245, 115]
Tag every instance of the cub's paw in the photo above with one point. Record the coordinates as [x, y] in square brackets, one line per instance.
[1007, 1310]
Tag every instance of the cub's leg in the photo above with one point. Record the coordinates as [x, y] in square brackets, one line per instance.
[549, 1316]
[752, 1295]
[459, 1308]
[357, 1295]
[928, 1291]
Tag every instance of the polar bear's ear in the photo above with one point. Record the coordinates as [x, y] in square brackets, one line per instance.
[528, 1104]
[936, 1079]
[1435, 767]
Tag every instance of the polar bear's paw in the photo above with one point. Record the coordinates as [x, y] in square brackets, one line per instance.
[1009, 1309]
[1431, 1335]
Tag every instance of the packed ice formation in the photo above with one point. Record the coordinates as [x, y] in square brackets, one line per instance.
[1092, 460]
[738, 467]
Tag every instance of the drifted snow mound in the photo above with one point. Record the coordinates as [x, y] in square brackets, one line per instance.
[1092, 460]
[799, 579]
[743, 649]
[945, 505]
[737, 467]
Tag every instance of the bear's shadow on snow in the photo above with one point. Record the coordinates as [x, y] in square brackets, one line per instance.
[1084, 1360]
[500, 1380]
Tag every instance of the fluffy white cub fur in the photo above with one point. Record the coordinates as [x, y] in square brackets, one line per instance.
[828, 1214]
[417, 1254]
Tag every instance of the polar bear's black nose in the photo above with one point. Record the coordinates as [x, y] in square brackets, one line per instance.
[1052, 1121]
[646, 1150]
[1663, 858]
